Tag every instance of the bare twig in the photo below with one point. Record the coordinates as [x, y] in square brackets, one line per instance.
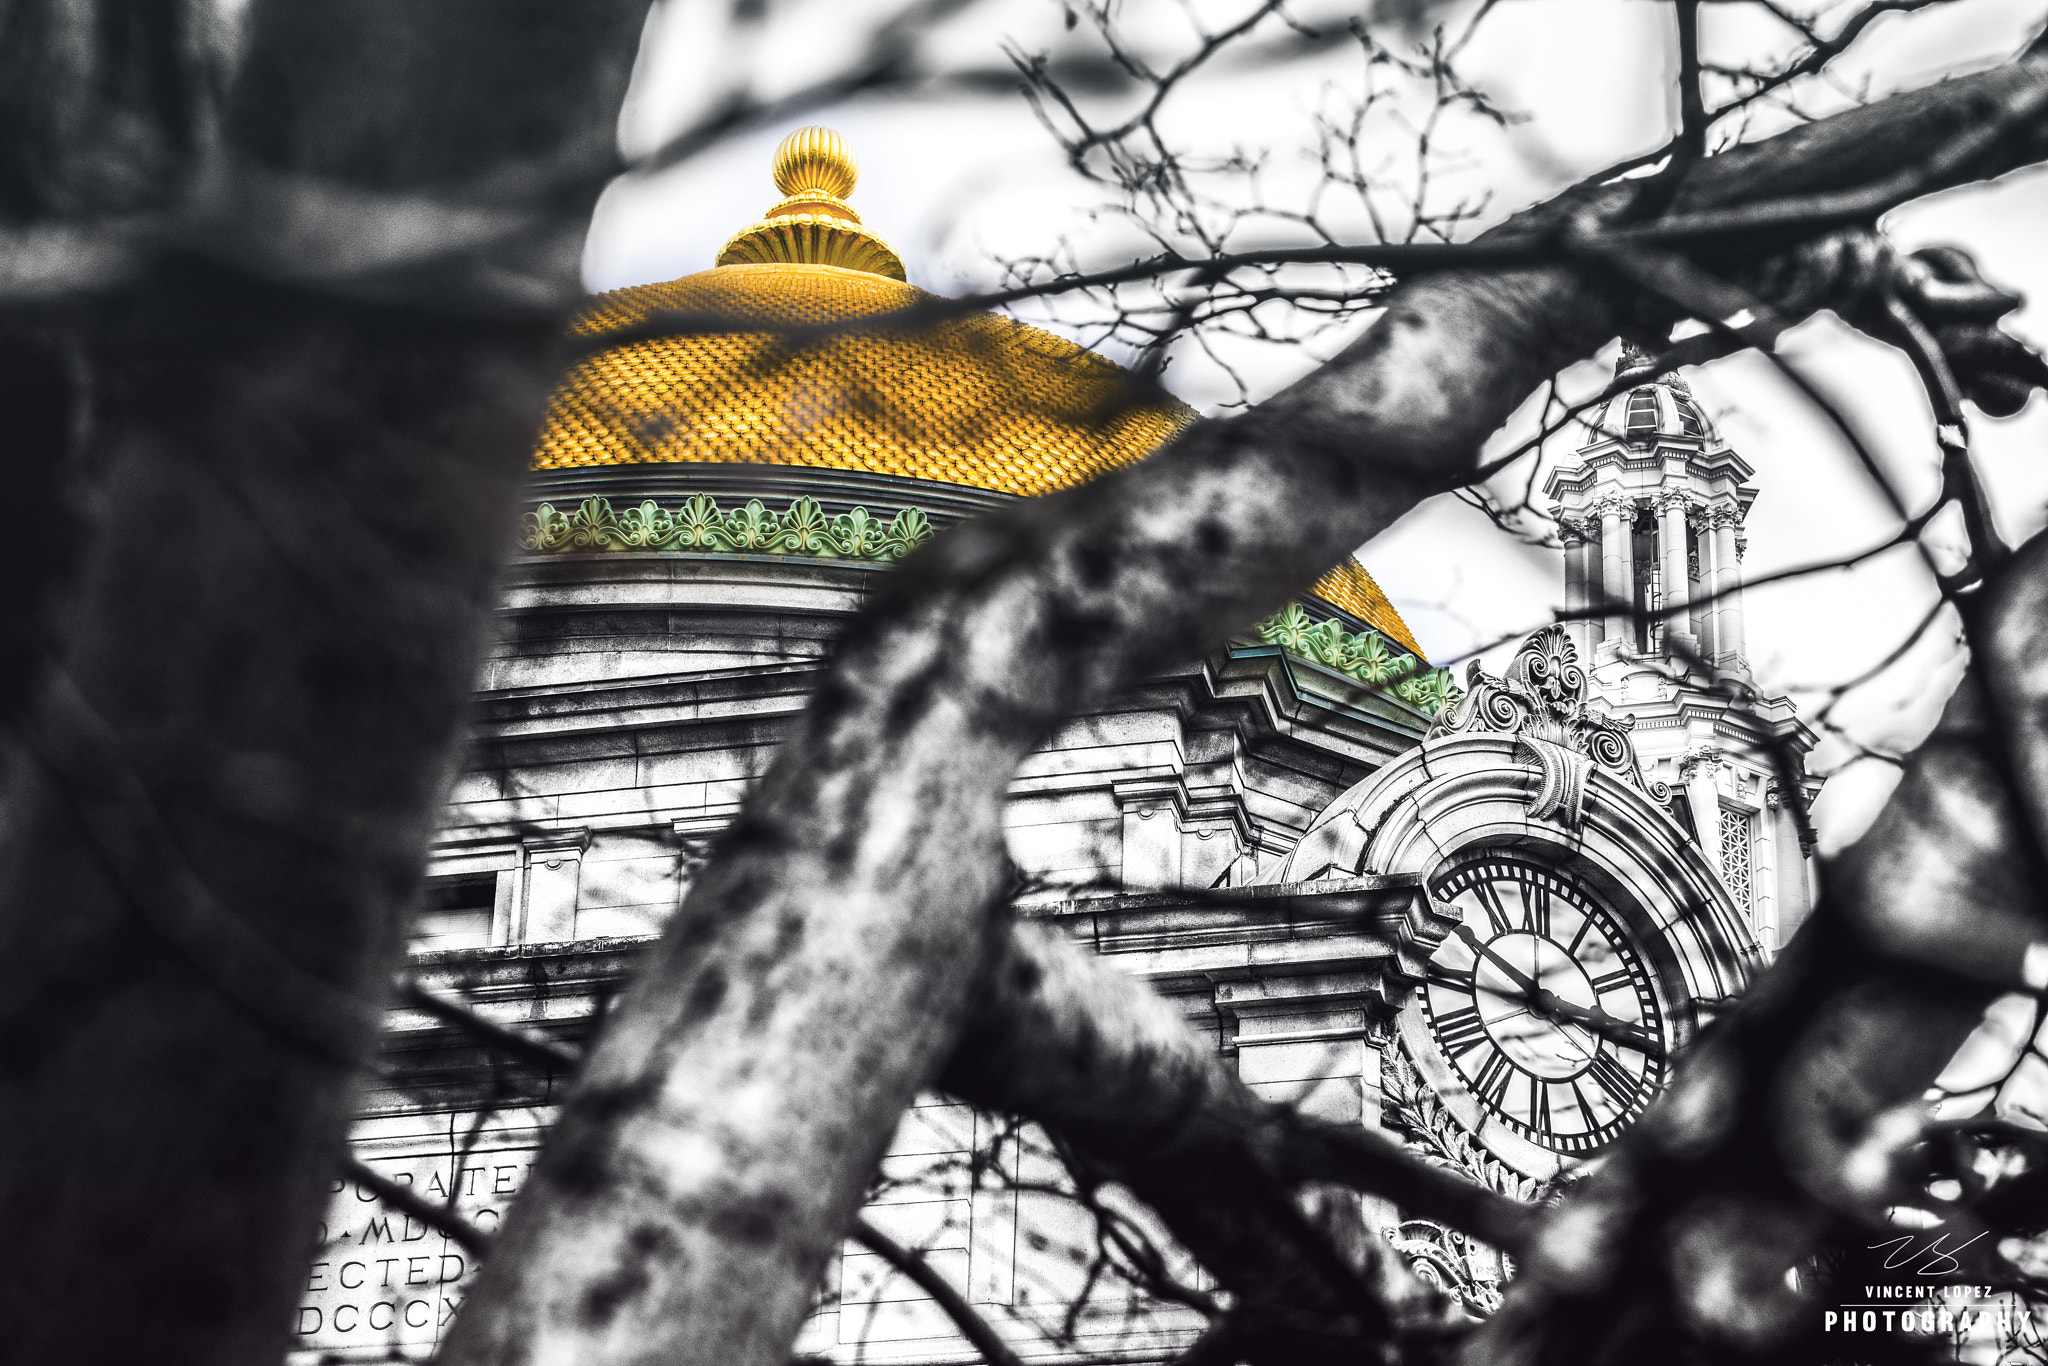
[406, 1200]
[542, 1053]
[921, 1273]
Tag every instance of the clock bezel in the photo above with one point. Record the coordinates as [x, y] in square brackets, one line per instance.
[1501, 1135]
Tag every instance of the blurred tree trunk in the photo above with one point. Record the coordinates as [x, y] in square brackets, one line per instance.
[315, 311]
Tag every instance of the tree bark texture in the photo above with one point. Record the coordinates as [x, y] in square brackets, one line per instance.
[219, 812]
[311, 404]
[822, 968]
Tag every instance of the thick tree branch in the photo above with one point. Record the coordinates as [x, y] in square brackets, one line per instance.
[1065, 1039]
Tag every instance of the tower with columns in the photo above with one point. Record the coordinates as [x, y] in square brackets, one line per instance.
[1651, 513]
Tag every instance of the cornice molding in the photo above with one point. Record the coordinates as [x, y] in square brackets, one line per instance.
[804, 529]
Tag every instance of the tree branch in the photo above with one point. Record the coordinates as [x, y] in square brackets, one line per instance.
[406, 1200]
[951, 1302]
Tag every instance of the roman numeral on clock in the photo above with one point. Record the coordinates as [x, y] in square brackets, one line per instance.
[1460, 1031]
[1492, 1081]
[1439, 976]
[1536, 908]
[1611, 981]
[1571, 950]
[1496, 913]
[1623, 1086]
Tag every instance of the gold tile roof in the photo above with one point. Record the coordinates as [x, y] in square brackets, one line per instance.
[974, 399]
[1348, 586]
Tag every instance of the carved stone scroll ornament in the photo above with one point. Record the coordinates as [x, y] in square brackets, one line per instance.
[1542, 700]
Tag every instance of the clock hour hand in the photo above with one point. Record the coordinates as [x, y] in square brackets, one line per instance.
[1523, 982]
[1550, 1006]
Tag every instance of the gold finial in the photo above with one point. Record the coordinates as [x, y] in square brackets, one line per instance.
[813, 225]
[816, 159]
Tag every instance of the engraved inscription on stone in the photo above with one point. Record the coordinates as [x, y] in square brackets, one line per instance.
[383, 1282]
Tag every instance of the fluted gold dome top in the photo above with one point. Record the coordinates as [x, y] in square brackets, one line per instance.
[817, 159]
[813, 224]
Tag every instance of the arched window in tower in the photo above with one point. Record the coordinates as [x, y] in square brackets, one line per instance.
[1735, 856]
[1689, 420]
[1699, 617]
[1642, 414]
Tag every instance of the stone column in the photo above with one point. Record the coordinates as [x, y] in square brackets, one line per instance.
[1617, 566]
[1764, 913]
[1728, 643]
[1795, 884]
[1709, 614]
[1585, 633]
[1672, 547]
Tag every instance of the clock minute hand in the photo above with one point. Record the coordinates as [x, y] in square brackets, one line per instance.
[1523, 982]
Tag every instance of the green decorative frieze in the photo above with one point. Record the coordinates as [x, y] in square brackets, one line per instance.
[1365, 656]
[701, 524]
[803, 528]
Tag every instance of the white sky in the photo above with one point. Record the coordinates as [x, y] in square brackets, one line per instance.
[955, 184]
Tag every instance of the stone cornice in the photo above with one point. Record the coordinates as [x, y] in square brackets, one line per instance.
[1383, 926]
[804, 530]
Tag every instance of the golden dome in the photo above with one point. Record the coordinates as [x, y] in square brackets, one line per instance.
[971, 399]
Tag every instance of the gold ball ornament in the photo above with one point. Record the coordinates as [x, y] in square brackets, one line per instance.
[815, 160]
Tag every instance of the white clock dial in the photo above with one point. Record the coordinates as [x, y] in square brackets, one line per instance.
[1544, 1006]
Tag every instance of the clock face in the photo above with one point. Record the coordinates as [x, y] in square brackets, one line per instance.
[1543, 1005]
